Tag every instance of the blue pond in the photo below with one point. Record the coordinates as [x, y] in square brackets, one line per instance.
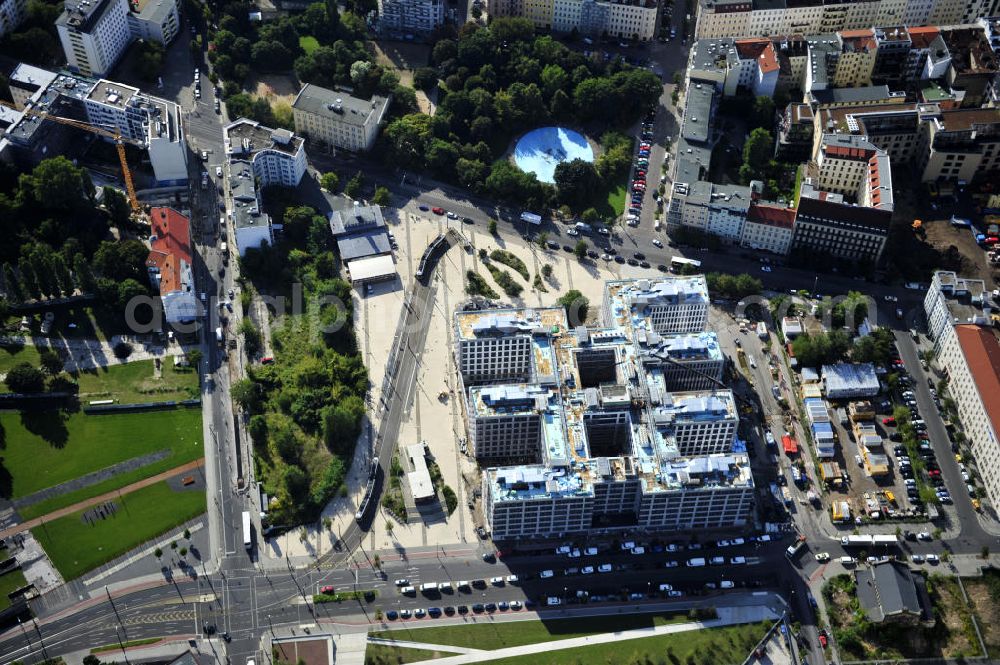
[540, 150]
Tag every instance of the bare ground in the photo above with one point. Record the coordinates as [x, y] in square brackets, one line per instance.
[987, 612]
[941, 235]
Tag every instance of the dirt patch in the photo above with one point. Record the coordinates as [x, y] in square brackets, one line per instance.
[404, 57]
[275, 88]
[986, 607]
[311, 652]
[941, 235]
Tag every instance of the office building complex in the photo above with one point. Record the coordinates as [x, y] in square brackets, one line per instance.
[687, 361]
[675, 305]
[618, 427]
[337, 120]
[399, 18]
[506, 345]
[278, 156]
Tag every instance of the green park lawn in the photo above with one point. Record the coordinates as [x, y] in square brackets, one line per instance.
[715, 646]
[515, 633]
[308, 43]
[47, 448]
[135, 382]
[10, 582]
[616, 200]
[14, 355]
[378, 654]
[74, 546]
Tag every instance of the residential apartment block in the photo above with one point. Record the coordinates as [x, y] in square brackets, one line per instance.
[827, 225]
[149, 121]
[952, 300]
[338, 120]
[278, 156]
[12, 13]
[621, 19]
[399, 18]
[504, 346]
[970, 356]
[154, 20]
[252, 226]
[170, 266]
[615, 435]
[94, 34]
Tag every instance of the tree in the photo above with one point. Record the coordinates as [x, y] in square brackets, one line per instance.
[381, 197]
[547, 270]
[763, 112]
[23, 378]
[329, 181]
[158, 552]
[246, 393]
[50, 361]
[576, 305]
[580, 249]
[492, 226]
[354, 185]
[56, 184]
[577, 182]
[194, 357]
[757, 153]
[149, 60]
[425, 78]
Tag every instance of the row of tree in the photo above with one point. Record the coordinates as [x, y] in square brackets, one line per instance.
[814, 350]
[499, 81]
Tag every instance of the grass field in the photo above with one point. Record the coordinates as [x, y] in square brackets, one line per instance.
[716, 646]
[515, 633]
[75, 546]
[10, 582]
[308, 43]
[135, 383]
[47, 448]
[377, 654]
[13, 355]
[616, 200]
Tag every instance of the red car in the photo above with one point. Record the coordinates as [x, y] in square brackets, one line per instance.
[822, 638]
[889, 421]
[437, 211]
[934, 472]
[326, 589]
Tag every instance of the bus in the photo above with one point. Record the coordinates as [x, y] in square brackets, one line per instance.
[680, 264]
[247, 531]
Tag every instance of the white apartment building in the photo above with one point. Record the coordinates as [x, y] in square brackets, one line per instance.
[684, 362]
[503, 346]
[251, 224]
[952, 300]
[27, 80]
[140, 117]
[278, 156]
[12, 13]
[94, 34]
[337, 119]
[971, 358]
[765, 18]
[154, 20]
[406, 17]
[666, 304]
[769, 228]
[620, 19]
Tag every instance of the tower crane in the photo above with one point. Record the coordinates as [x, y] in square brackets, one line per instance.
[115, 135]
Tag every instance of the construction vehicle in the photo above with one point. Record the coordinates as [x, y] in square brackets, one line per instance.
[114, 135]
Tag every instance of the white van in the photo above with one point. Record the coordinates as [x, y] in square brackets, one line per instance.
[738, 560]
[408, 591]
[463, 584]
[553, 600]
[696, 563]
[430, 586]
[718, 560]
[847, 561]
[726, 584]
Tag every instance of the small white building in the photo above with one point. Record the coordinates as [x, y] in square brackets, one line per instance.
[791, 327]
[278, 156]
[252, 225]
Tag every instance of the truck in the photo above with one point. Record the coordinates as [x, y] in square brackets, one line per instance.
[856, 541]
[786, 496]
[247, 531]
[840, 511]
[531, 218]
[793, 550]
[813, 498]
[771, 443]
[761, 330]
[218, 335]
[584, 228]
